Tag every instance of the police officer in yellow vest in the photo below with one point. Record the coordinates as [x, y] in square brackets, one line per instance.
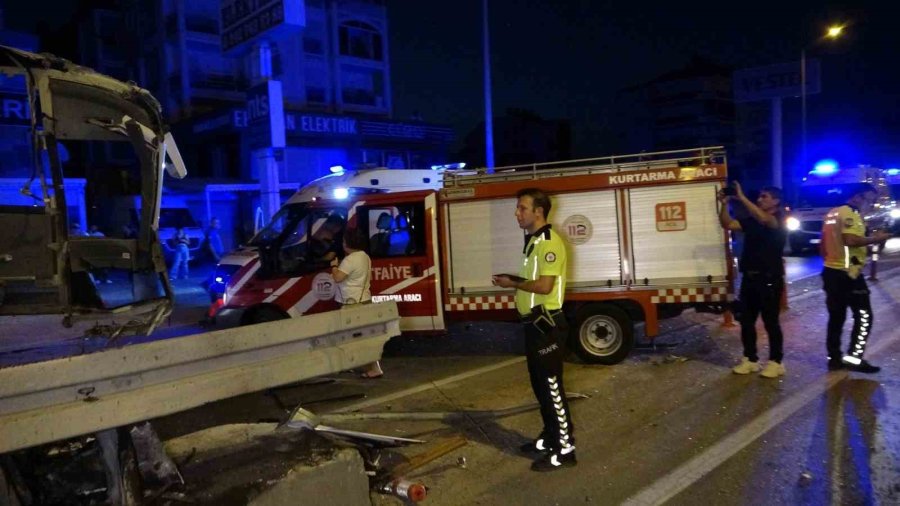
[540, 287]
[843, 245]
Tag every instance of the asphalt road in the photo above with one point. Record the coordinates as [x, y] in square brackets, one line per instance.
[675, 426]
[670, 425]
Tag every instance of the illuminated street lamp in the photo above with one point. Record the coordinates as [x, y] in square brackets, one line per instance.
[833, 32]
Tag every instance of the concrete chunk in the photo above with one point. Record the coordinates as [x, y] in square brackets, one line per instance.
[254, 465]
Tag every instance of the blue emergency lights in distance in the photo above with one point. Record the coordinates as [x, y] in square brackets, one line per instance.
[826, 167]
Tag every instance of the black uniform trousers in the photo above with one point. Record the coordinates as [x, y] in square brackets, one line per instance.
[544, 356]
[761, 294]
[841, 292]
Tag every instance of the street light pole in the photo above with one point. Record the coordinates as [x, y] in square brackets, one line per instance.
[488, 109]
[803, 159]
[833, 32]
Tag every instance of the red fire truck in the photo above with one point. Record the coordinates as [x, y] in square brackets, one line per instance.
[644, 238]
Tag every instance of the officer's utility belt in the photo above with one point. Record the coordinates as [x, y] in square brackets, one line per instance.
[542, 318]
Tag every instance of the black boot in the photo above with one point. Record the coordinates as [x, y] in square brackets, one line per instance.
[554, 460]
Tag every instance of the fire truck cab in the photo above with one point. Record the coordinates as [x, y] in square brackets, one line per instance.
[643, 233]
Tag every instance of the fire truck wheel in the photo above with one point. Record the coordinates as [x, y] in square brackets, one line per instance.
[262, 314]
[603, 334]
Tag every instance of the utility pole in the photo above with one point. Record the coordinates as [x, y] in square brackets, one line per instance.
[488, 109]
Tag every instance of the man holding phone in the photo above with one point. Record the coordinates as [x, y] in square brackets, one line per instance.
[762, 271]
[540, 287]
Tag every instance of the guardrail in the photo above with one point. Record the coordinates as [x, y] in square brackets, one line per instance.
[57, 399]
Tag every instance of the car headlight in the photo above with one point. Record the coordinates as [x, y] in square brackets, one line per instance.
[223, 275]
[895, 213]
[792, 223]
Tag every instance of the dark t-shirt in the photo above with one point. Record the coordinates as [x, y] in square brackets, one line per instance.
[763, 246]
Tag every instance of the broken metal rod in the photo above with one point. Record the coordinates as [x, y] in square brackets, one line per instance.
[438, 415]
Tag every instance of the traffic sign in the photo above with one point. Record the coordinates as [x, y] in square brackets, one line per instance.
[775, 81]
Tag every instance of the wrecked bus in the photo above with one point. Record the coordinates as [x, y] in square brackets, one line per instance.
[47, 264]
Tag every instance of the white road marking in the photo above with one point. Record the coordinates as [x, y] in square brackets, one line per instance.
[428, 386]
[690, 472]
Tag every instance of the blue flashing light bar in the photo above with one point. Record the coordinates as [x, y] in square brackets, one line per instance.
[449, 166]
[826, 167]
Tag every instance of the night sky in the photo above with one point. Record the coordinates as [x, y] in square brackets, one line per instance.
[569, 59]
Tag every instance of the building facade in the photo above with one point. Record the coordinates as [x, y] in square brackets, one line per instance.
[689, 107]
[207, 60]
[333, 66]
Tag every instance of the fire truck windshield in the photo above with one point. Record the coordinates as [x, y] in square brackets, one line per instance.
[285, 219]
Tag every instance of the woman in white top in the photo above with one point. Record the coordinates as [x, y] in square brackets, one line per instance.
[352, 275]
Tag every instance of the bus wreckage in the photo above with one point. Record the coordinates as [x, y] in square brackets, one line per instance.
[44, 267]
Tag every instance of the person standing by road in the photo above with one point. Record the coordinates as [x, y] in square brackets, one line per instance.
[762, 273]
[844, 245]
[540, 287]
[212, 241]
[353, 275]
[182, 255]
